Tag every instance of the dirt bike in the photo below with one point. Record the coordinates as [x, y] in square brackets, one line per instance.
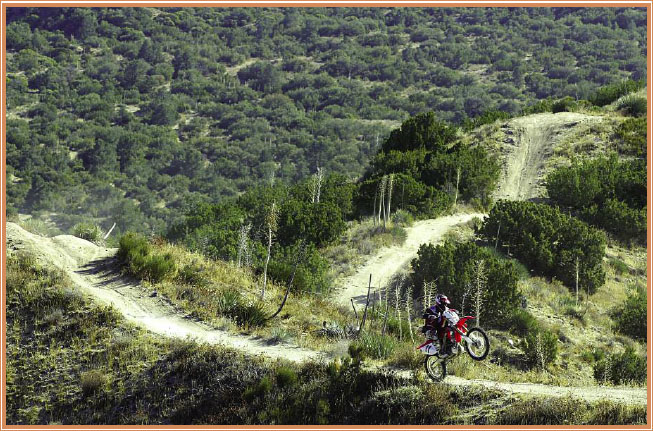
[474, 340]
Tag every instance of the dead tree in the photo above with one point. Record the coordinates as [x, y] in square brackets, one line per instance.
[480, 283]
[300, 257]
[271, 221]
[382, 184]
[409, 301]
[398, 310]
[242, 242]
[316, 185]
[455, 199]
[386, 214]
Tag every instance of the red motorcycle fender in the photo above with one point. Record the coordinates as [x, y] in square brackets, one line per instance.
[463, 327]
[425, 343]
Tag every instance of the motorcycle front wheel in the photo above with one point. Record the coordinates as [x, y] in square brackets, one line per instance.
[436, 368]
[479, 346]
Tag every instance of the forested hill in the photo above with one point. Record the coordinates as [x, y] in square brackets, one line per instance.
[130, 114]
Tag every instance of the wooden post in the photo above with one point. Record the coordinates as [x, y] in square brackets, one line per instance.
[369, 287]
[354, 307]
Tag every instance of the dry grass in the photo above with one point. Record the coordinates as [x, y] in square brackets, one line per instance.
[201, 286]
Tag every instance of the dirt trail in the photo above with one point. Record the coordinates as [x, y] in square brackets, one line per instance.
[530, 142]
[86, 264]
[388, 261]
[588, 393]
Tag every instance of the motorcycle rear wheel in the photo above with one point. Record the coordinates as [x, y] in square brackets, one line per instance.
[481, 344]
[436, 368]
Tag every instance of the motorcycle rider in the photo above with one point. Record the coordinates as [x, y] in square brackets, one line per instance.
[435, 324]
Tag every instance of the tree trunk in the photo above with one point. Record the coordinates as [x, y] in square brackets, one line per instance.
[267, 260]
[455, 199]
[389, 197]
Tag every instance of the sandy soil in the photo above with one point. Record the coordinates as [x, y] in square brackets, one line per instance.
[388, 261]
[92, 269]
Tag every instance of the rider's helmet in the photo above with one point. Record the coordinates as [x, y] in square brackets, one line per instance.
[441, 302]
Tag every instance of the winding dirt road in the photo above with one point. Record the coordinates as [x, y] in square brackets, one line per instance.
[88, 267]
[388, 261]
[530, 141]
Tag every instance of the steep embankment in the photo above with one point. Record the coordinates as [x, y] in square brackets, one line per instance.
[529, 142]
[83, 261]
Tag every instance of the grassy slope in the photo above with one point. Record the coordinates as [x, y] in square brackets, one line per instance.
[72, 362]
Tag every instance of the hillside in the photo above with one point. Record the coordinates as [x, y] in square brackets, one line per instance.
[581, 332]
[131, 115]
[259, 165]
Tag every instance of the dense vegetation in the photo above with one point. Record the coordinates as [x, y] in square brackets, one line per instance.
[605, 192]
[72, 362]
[630, 319]
[123, 114]
[463, 271]
[549, 242]
[431, 171]
[241, 226]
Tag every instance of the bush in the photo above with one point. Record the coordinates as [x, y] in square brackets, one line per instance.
[631, 318]
[627, 367]
[521, 323]
[231, 304]
[567, 104]
[137, 252]
[541, 348]
[89, 232]
[634, 106]
[610, 93]
[619, 266]
[374, 346]
[452, 265]
[632, 134]
[286, 377]
[548, 241]
[92, 381]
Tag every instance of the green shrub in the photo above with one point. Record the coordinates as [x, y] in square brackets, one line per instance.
[402, 218]
[286, 377]
[89, 232]
[193, 275]
[567, 104]
[92, 381]
[521, 323]
[618, 265]
[159, 267]
[230, 303]
[259, 390]
[143, 262]
[609, 93]
[631, 319]
[632, 136]
[541, 348]
[606, 412]
[374, 346]
[453, 266]
[634, 106]
[539, 107]
[627, 367]
[548, 241]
